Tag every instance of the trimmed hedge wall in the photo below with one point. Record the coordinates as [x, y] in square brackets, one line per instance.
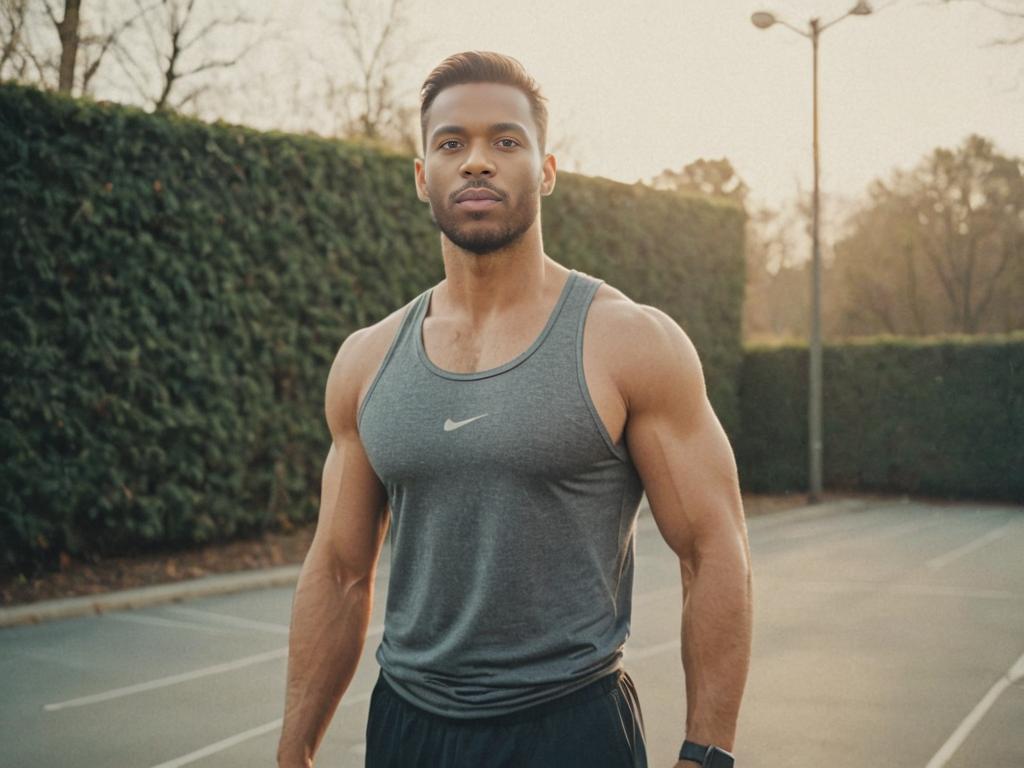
[175, 291]
[941, 416]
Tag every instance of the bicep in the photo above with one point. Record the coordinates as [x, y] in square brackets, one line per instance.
[353, 520]
[680, 449]
[689, 476]
[353, 517]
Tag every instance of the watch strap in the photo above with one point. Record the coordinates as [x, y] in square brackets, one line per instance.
[693, 751]
[705, 755]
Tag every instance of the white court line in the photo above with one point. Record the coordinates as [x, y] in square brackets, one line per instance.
[236, 621]
[223, 744]
[1015, 673]
[942, 560]
[233, 621]
[252, 733]
[184, 677]
[162, 682]
[155, 621]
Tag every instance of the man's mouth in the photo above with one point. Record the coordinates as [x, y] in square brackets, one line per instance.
[477, 199]
[478, 204]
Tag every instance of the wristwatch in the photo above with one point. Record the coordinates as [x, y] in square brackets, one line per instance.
[706, 756]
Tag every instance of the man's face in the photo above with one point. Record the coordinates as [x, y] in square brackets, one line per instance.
[481, 140]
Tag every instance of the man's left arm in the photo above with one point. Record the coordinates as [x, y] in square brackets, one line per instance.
[690, 478]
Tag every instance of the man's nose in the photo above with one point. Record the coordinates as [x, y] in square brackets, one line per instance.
[477, 163]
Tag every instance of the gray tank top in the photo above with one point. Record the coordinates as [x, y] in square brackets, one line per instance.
[513, 518]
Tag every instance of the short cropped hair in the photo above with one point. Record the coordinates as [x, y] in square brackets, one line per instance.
[483, 67]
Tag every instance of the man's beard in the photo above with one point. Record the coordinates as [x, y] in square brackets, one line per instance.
[484, 240]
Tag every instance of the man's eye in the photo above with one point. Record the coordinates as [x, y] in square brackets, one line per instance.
[511, 143]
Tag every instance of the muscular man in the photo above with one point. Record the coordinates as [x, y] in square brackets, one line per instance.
[504, 425]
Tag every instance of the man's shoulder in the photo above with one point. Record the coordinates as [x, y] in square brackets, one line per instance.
[632, 328]
[359, 357]
[640, 342]
[367, 346]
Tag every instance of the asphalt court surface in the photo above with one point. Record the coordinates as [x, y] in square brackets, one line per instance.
[887, 634]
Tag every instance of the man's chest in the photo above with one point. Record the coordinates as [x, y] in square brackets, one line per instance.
[459, 350]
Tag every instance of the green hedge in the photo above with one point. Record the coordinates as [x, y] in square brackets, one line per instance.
[174, 292]
[934, 416]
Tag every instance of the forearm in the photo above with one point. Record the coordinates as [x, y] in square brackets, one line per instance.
[716, 641]
[330, 616]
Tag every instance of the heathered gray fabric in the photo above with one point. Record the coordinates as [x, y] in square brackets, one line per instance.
[512, 535]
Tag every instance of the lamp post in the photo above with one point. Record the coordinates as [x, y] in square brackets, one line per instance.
[763, 20]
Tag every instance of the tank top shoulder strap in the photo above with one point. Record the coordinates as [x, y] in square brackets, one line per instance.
[567, 328]
[400, 348]
[411, 320]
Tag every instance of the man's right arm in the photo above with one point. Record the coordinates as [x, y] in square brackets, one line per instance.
[334, 595]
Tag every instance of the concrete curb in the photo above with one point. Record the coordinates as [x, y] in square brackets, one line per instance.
[220, 584]
[285, 576]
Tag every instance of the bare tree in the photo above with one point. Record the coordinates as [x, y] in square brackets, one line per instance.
[13, 18]
[1010, 11]
[95, 45]
[67, 31]
[85, 34]
[366, 103]
[177, 47]
[28, 55]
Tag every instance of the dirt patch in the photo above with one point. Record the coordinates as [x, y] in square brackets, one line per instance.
[75, 578]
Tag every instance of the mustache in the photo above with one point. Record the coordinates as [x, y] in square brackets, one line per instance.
[478, 185]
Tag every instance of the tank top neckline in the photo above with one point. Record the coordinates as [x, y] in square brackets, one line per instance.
[517, 360]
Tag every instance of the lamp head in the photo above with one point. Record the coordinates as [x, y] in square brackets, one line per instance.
[762, 19]
[862, 8]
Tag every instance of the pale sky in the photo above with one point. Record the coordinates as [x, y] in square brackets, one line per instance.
[656, 84]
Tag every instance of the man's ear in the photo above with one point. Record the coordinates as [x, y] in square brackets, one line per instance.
[420, 177]
[547, 179]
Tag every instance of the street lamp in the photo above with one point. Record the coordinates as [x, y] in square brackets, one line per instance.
[763, 20]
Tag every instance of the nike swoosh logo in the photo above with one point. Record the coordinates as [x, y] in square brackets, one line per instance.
[449, 425]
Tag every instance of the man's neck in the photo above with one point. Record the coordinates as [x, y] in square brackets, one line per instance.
[477, 287]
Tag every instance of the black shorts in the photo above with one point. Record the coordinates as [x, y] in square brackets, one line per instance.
[597, 726]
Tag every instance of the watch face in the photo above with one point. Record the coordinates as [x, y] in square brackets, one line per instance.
[718, 758]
